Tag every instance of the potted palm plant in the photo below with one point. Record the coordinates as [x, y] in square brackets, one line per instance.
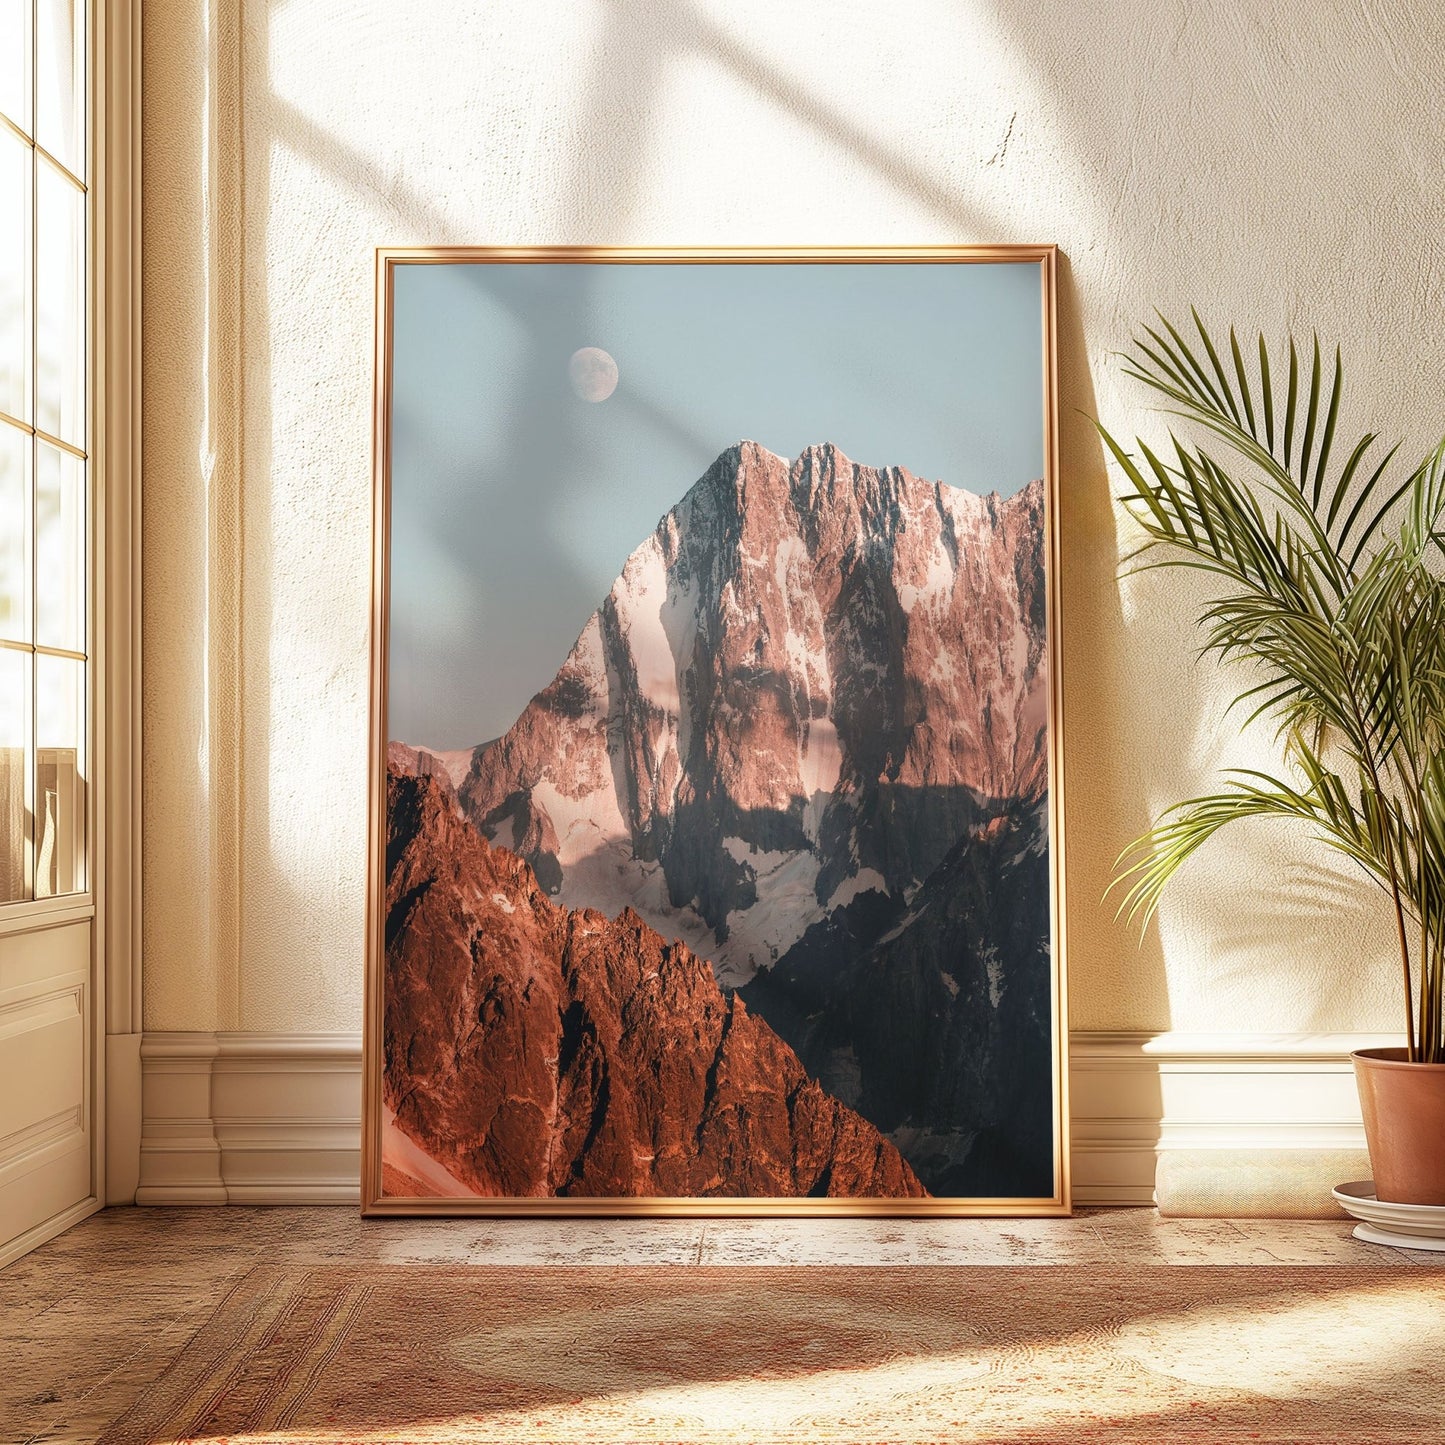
[1326, 562]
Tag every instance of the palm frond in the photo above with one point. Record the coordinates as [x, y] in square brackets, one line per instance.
[1202, 390]
[1329, 593]
[1144, 868]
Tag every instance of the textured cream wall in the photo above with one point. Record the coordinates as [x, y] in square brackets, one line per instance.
[1278, 163]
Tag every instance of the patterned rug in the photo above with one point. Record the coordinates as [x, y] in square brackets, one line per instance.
[426, 1354]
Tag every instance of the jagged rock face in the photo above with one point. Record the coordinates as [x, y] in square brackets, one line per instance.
[808, 683]
[410, 762]
[932, 1019]
[536, 1050]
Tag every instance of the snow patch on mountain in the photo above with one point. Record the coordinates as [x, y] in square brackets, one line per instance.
[993, 966]
[786, 907]
[865, 880]
[820, 763]
[584, 824]
[641, 596]
[452, 763]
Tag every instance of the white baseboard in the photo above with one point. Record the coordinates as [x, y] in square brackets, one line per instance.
[1215, 1123]
[1212, 1123]
[47, 1230]
[249, 1118]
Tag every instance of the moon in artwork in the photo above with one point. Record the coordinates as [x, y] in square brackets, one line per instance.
[593, 373]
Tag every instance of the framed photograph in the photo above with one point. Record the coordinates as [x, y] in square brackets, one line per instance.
[716, 847]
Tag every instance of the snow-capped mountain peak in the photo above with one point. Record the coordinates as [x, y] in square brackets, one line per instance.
[805, 685]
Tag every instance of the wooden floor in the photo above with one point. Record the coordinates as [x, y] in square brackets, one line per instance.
[89, 1320]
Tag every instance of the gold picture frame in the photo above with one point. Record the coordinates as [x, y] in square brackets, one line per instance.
[376, 1199]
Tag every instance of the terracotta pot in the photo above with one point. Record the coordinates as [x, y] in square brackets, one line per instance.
[1404, 1109]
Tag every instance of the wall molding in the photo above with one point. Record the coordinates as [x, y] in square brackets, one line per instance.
[1214, 1123]
[250, 1118]
[1226, 1123]
[117, 461]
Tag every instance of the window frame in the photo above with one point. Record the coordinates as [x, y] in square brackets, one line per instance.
[37, 909]
[112, 902]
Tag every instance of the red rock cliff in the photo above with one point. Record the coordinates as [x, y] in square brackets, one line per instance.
[536, 1050]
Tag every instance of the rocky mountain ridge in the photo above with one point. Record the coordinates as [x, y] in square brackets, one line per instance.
[534, 1050]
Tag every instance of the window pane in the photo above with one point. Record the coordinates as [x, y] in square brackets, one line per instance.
[60, 82]
[59, 776]
[15, 173]
[14, 812]
[14, 535]
[15, 55]
[59, 306]
[59, 549]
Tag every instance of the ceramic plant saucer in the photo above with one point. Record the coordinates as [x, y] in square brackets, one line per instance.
[1404, 1226]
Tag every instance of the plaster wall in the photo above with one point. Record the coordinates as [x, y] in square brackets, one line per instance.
[1278, 164]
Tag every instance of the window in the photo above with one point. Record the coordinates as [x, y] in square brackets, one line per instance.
[44, 459]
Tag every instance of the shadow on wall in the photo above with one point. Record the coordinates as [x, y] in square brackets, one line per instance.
[630, 57]
[1244, 949]
[1103, 794]
[1128, 667]
[275, 711]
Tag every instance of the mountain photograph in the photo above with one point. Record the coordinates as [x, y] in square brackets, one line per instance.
[804, 741]
[746, 894]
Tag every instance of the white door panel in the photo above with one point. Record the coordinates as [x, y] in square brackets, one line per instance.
[46, 1079]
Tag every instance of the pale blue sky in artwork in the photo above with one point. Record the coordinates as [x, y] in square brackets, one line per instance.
[515, 502]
